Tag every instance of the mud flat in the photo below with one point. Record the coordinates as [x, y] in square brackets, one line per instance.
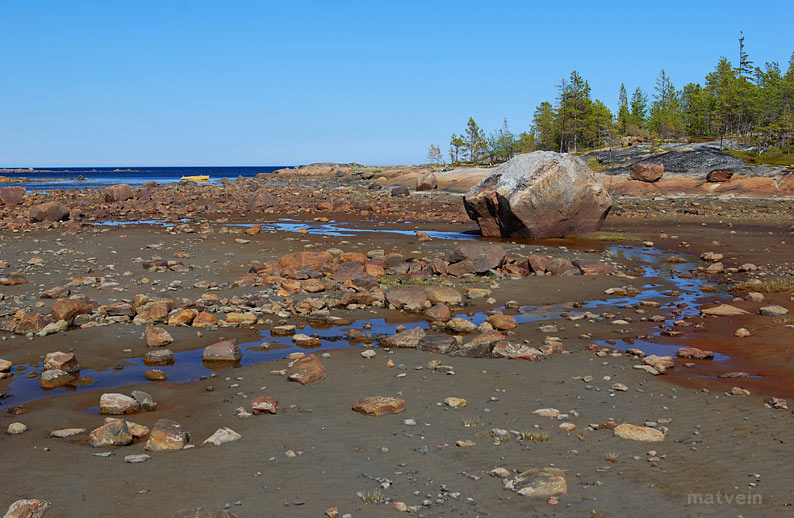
[531, 363]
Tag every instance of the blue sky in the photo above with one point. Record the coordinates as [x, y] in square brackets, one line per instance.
[259, 82]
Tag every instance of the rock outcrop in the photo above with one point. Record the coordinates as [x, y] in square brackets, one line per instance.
[540, 194]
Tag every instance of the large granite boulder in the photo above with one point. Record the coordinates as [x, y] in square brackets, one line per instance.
[12, 195]
[118, 192]
[49, 211]
[540, 194]
[647, 172]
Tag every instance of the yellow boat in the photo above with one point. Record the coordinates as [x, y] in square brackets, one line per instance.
[197, 178]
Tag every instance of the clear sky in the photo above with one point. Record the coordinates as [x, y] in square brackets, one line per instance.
[262, 82]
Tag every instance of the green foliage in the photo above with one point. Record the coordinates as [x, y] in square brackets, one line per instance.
[434, 155]
[755, 105]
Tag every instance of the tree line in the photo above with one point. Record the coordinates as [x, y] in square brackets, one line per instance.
[751, 103]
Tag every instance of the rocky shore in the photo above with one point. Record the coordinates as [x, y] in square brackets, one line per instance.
[321, 343]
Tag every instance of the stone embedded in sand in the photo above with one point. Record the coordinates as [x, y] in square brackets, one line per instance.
[741, 333]
[183, 317]
[400, 191]
[541, 194]
[479, 346]
[117, 404]
[547, 412]
[777, 403]
[410, 299]
[659, 363]
[455, 402]
[55, 378]
[5, 365]
[379, 405]
[443, 295]
[118, 309]
[13, 279]
[16, 428]
[136, 459]
[118, 192]
[222, 436]
[144, 399]
[638, 433]
[538, 263]
[264, 405]
[159, 357]
[561, 266]
[262, 201]
[408, 338]
[49, 211]
[739, 391]
[539, 483]
[695, 353]
[155, 375]
[158, 337]
[438, 313]
[64, 433]
[227, 350]
[201, 513]
[439, 344]
[306, 341]
[28, 509]
[67, 309]
[242, 318]
[167, 435]
[205, 319]
[12, 195]
[461, 325]
[427, 182]
[63, 361]
[591, 268]
[32, 323]
[515, 351]
[475, 259]
[298, 259]
[306, 370]
[501, 322]
[719, 175]
[773, 311]
[112, 433]
[647, 172]
[724, 310]
[754, 296]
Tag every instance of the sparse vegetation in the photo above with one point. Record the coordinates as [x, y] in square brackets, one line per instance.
[471, 422]
[612, 456]
[372, 497]
[536, 437]
[771, 285]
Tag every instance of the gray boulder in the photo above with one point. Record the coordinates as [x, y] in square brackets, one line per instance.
[540, 194]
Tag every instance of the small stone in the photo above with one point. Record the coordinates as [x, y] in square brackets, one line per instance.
[16, 429]
[157, 337]
[773, 311]
[67, 432]
[112, 433]
[227, 350]
[379, 405]
[693, 352]
[568, 427]
[738, 391]
[306, 370]
[638, 433]
[741, 333]
[136, 459]
[28, 509]
[620, 387]
[55, 378]
[159, 357]
[155, 375]
[539, 483]
[223, 436]
[144, 399]
[465, 443]
[117, 404]
[264, 405]
[455, 402]
[167, 435]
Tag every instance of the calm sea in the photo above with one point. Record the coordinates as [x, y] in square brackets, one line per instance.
[98, 177]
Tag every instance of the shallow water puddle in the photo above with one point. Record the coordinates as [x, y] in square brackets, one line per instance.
[189, 366]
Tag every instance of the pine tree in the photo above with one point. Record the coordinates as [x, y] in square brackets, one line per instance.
[456, 146]
[434, 155]
[666, 118]
[474, 141]
[639, 109]
[623, 110]
[575, 106]
[544, 126]
[745, 65]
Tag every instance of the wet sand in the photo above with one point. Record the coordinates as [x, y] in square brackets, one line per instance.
[714, 442]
